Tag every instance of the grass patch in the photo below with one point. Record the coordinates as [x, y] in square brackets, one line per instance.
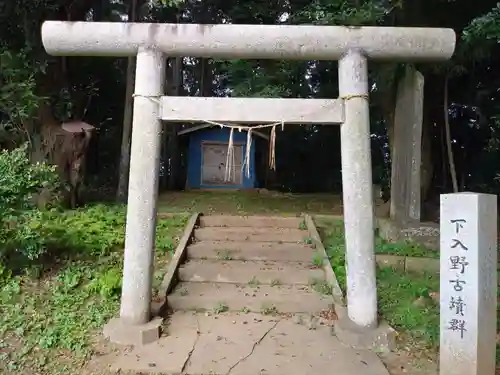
[221, 307]
[224, 255]
[275, 282]
[52, 312]
[404, 249]
[397, 291]
[254, 282]
[317, 260]
[249, 202]
[268, 309]
[397, 296]
[320, 286]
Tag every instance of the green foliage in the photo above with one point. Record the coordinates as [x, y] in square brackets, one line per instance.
[62, 311]
[60, 316]
[172, 3]
[26, 232]
[77, 299]
[18, 98]
[165, 243]
[397, 295]
[484, 28]
[408, 249]
[254, 79]
[20, 182]
[344, 13]
[108, 284]
[94, 230]
[333, 237]
[397, 290]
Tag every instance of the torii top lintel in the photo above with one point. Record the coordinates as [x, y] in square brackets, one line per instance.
[229, 41]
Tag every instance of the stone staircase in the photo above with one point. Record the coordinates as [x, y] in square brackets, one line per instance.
[251, 264]
[250, 298]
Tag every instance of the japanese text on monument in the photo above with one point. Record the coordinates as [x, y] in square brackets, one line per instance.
[458, 263]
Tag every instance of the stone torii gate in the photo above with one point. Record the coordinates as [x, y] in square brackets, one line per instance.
[351, 46]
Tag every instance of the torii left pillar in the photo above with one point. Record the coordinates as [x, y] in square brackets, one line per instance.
[134, 326]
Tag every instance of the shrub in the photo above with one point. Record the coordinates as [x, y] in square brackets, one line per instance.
[20, 182]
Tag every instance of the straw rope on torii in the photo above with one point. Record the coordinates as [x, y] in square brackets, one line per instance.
[230, 169]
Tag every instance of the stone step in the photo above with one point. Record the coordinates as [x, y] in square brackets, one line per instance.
[251, 221]
[279, 235]
[241, 297]
[253, 272]
[233, 250]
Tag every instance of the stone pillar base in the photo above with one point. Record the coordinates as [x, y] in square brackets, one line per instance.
[379, 339]
[122, 333]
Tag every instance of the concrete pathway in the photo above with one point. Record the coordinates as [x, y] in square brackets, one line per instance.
[249, 344]
[251, 300]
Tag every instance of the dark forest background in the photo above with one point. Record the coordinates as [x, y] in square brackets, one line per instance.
[39, 92]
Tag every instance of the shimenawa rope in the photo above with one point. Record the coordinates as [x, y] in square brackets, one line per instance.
[230, 168]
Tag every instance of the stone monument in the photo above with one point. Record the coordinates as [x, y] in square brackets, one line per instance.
[406, 154]
[468, 292]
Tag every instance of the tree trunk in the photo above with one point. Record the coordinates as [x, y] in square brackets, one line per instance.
[451, 161]
[173, 141]
[427, 166]
[166, 128]
[387, 99]
[442, 144]
[123, 171]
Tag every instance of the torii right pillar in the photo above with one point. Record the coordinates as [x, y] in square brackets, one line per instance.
[357, 190]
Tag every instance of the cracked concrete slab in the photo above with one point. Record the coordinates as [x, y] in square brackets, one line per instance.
[225, 339]
[167, 355]
[296, 349]
[248, 344]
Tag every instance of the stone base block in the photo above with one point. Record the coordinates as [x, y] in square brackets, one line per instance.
[379, 339]
[123, 333]
[426, 234]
